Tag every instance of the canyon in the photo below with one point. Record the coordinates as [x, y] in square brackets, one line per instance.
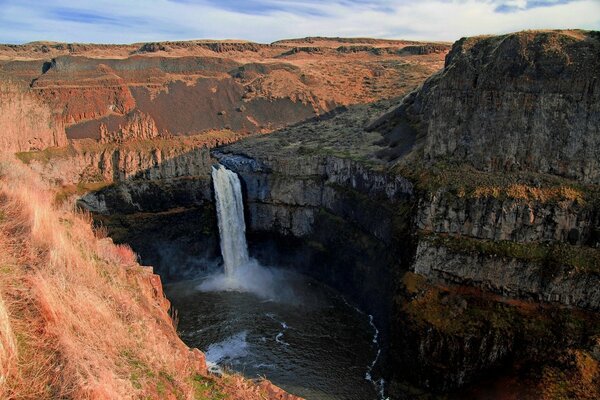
[463, 215]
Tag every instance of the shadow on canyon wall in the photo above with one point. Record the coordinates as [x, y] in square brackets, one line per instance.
[308, 214]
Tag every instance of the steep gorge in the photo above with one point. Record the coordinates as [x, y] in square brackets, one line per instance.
[474, 245]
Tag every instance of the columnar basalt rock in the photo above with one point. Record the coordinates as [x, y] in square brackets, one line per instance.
[139, 125]
[522, 101]
[520, 220]
[509, 276]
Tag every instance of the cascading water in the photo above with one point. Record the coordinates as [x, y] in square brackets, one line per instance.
[230, 213]
[271, 322]
[241, 272]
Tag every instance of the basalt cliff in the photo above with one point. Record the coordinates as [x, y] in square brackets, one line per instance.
[464, 216]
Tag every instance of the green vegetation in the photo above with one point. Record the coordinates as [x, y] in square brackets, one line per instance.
[139, 371]
[465, 181]
[580, 258]
[340, 134]
[205, 388]
[44, 156]
[65, 192]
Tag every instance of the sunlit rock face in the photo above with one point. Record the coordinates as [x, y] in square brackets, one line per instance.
[124, 92]
[524, 101]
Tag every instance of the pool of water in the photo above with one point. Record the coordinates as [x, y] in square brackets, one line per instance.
[303, 336]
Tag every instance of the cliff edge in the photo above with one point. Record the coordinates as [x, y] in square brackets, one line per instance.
[526, 101]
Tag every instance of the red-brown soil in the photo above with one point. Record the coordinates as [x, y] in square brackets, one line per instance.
[196, 86]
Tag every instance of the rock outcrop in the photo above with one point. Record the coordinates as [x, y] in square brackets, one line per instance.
[512, 277]
[138, 126]
[188, 88]
[26, 123]
[563, 219]
[523, 101]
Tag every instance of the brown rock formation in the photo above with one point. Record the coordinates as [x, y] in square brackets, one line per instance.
[25, 122]
[193, 87]
[138, 126]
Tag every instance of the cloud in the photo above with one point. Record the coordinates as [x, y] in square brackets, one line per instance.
[120, 21]
[509, 6]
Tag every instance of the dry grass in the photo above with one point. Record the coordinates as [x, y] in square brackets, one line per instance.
[578, 377]
[8, 349]
[79, 317]
[77, 304]
[525, 192]
[467, 182]
[26, 122]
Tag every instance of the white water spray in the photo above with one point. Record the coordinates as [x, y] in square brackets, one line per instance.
[241, 272]
[230, 212]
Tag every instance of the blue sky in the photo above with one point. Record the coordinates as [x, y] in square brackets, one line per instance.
[128, 21]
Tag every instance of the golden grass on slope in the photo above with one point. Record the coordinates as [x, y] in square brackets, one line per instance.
[86, 320]
[7, 349]
[525, 192]
[80, 318]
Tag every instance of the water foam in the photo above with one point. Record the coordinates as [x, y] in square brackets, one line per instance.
[226, 351]
[379, 385]
[241, 272]
[252, 277]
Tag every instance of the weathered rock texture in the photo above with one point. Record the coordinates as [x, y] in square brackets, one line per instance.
[521, 220]
[26, 123]
[509, 276]
[188, 88]
[523, 101]
[137, 126]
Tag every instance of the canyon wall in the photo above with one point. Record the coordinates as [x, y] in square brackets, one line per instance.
[526, 101]
[27, 123]
[117, 92]
[499, 219]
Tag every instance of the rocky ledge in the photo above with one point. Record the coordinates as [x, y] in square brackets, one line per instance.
[474, 254]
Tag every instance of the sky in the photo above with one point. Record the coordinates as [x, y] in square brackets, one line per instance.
[131, 21]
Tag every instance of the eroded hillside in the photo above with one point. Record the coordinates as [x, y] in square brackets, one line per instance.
[184, 88]
[80, 318]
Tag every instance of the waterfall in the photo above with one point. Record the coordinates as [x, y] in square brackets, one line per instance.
[230, 214]
[242, 273]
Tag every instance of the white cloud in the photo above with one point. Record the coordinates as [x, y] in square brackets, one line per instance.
[152, 20]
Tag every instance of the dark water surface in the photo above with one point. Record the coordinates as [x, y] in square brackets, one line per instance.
[307, 340]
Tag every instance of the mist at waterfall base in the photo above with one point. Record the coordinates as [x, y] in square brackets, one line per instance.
[274, 323]
[240, 272]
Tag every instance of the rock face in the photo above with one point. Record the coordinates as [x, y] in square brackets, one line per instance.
[26, 123]
[509, 276]
[138, 126]
[520, 220]
[287, 194]
[523, 101]
[188, 88]
[494, 129]
[324, 210]
[457, 359]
